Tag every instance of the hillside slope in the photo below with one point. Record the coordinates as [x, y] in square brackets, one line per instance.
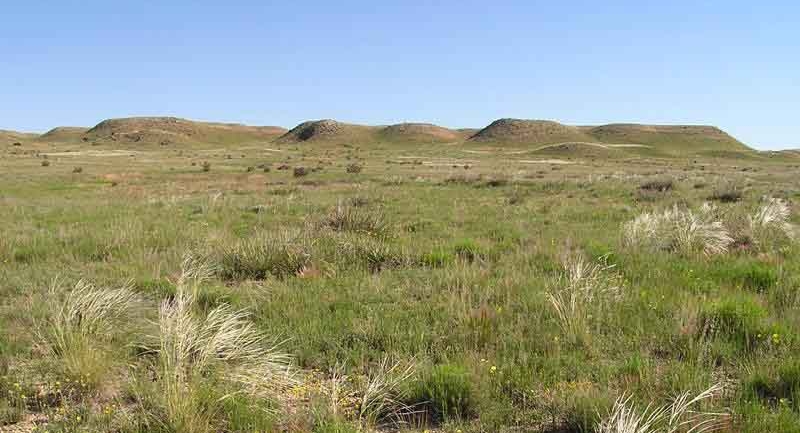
[11, 137]
[419, 133]
[330, 131]
[64, 134]
[522, 131]
[168, 130]
[669, 138]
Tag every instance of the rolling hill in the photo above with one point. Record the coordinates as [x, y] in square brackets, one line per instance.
[680, 138]
[11, 137]
[420, 133]
[330, 131]
[521, 131]
[64, 134]
[530, 135]
[168, 130]
[623, 137]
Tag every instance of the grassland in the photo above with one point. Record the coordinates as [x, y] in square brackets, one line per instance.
[262, 286]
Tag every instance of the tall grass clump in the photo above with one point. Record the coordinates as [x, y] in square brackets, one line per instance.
[372, 254]
[679, 416]
[202, 360]
[582, 287]
[80, 331]
[384, 393]
[261, 257]
[770, 223]
[352, 219]
[679, 230]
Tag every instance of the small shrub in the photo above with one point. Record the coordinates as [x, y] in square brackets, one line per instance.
[300, 171]
[354, 168]
[648, 195]
[446, 391]
[496, 181]
[45, 163]
[77, 170]
[250, 169]
[660, 185]
[206, 166]
[726, 194]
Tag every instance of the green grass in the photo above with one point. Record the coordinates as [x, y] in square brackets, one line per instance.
[425, 264]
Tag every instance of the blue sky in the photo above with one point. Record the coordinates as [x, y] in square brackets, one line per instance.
[734, 64]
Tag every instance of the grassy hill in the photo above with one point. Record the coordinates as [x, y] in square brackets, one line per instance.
[674, 138]
[64, 134]
[168, 130]
[11, 137]
[419, 133]
[334, 132]
[329, 131]
[520, 131]
[633, 139]
[530, 135]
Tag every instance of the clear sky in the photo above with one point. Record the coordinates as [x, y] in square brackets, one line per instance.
[458, 63]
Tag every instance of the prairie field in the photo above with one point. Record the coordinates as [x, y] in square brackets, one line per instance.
[279, 286]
